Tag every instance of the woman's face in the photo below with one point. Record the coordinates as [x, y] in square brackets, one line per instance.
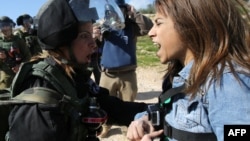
[84, 45]
[166, 38]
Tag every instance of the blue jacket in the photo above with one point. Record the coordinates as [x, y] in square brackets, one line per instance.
[212, 108]
[119, 48]
[219, 106]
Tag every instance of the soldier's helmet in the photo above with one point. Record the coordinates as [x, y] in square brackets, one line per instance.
[58, 19]
[6, 21]
[24, 18]
[120, 3]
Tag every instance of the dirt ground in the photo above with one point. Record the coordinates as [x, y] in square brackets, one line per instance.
[149, 87]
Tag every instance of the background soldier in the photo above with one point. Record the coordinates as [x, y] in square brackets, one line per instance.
[13, 51]
[28, 33]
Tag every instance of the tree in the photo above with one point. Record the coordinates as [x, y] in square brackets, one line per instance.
[148, 10]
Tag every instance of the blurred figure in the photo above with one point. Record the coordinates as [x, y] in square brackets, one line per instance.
[13, 51]
[119, 52]
[28, 33]
[94, 65]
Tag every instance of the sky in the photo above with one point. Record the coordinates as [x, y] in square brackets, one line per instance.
[14, 8]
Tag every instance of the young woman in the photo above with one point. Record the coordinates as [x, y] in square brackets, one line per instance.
[206, 46]
[56, 85]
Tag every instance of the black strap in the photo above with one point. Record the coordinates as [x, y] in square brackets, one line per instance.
[39, 95]
[177, 134]
[181, 135]
[171, 92]
[35, 95]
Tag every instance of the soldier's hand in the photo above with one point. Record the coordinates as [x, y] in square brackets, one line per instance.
[150, 136]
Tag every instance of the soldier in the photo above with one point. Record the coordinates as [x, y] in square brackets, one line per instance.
[13, 51]
[58, 83]
[28, 33]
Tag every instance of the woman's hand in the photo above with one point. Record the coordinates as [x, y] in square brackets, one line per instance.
[150, 136]
[141, 129]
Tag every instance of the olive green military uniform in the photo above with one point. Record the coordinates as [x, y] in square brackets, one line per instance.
[6, 73]
[31, 41]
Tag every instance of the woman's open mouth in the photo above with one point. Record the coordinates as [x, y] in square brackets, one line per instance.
[89, 58]
[157, 45]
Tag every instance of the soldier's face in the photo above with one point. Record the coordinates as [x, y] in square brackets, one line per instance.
[84, 45]
[26, 23]
[6, 30]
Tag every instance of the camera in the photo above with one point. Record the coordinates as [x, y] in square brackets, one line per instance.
[154, 114]
[105, 31]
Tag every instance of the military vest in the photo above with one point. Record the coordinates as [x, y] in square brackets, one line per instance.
[65, 95]
[13, 58]
[31, 41]
[6, 45]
